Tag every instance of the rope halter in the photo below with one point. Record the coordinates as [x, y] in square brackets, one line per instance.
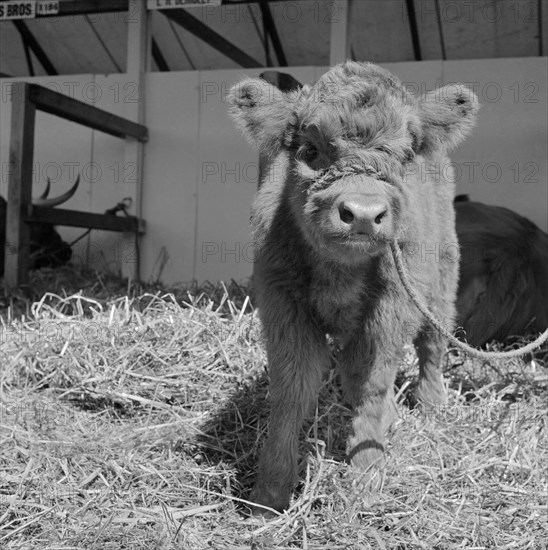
[324, 178]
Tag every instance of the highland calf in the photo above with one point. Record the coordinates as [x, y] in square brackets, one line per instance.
[353, 162]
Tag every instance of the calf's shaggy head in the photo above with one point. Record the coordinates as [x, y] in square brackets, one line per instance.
[342, 149]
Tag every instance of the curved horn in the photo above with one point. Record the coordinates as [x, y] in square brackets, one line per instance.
[50, 203]
[45, 194]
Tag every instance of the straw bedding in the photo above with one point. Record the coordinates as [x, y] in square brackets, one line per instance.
[131, 417]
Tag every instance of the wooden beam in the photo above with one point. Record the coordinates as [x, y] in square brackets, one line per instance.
[23, 112]
[137, 64]
[34, 45]
[75, 218]
[192, 24]
[237, 2]
[413, 27]
[273, 33]
[26, 99]
[71, 109]
[339, 46]
[439, 23]
[28, 57]
[83, 7]
[285, 82]
[158, 57]
[542, 29]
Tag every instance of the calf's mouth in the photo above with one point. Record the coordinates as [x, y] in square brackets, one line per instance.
[353, 218]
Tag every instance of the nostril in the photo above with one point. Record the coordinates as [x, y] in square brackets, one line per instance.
[346, 215]
[363, 214]
[380, 216]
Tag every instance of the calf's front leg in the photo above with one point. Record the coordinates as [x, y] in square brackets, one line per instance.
[429, 343]
[297, 357]
[430, 346]
[368, 383]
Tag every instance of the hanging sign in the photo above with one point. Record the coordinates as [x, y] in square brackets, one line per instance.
[17, 10]
[47, 7]
[170, 4]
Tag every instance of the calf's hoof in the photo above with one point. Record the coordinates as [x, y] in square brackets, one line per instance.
[366, 454]
[268, 498]
[430, 394]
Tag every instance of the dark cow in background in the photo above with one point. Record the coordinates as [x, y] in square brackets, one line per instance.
[503, 284]
[47, 248]
[349, 168]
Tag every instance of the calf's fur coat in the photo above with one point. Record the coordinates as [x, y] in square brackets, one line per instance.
[353, 162]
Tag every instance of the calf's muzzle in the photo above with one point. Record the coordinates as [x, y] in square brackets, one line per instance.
[362, 214]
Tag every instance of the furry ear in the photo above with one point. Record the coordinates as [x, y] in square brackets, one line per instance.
[448, 115]
[261, 111]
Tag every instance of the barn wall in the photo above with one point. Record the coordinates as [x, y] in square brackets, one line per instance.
[200, 175]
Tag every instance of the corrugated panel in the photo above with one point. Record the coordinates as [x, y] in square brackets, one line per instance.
[173, 44]
[12, 54]
[235, 26]
[379, 30]
[112, 31]
[484, 28]
[170, 36]
[304, 29]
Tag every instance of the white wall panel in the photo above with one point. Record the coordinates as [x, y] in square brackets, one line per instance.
[106, 249]
[200, 174]
[504, 162]
[227, 181]
[170, 176]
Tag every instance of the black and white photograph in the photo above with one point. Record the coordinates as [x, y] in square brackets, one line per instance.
[273, 274]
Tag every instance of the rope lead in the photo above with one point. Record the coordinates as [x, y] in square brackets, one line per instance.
[423, 308]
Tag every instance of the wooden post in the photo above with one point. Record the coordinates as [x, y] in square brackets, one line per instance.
[23, 111]
[339, 49]
[138, 62]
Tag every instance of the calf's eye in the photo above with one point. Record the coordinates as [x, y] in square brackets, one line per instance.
[310, 153]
